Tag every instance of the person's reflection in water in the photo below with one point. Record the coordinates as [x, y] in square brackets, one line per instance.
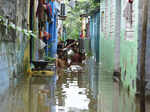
[61, 80]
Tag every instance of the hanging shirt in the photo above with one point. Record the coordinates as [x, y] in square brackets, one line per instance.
[49, 13]
[52, 30]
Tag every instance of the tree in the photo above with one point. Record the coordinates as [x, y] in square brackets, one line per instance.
[72, 22]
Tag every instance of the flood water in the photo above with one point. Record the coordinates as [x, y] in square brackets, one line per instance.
[90, 91]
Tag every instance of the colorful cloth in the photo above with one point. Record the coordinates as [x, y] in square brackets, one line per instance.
[52, 30]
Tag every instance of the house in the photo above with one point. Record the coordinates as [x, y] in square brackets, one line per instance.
[119, 39]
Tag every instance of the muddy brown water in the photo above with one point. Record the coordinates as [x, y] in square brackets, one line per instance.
[90, 91]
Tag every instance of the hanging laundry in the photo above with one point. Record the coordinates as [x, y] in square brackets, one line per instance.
[40, 14]
[47, 35]
[52, 30]
[49, 12]
[45, 40]
[128, 11]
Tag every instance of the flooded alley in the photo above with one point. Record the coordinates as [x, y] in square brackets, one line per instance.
[74, 56]
[92, 90]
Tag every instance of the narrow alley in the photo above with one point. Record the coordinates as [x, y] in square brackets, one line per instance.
[89, 91]
[74, 56]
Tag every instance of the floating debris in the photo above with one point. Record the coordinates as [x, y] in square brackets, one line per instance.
[74, 68]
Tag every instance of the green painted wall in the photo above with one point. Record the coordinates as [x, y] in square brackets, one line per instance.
[128, 51]
[106, 41]
[107, 53]
[128, 45]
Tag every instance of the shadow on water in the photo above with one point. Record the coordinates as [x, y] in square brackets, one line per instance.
[91, 91]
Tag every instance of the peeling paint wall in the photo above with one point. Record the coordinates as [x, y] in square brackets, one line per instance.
[117, 36]
[14, 46]
[128, 48]
[118, 44]
[107, 34]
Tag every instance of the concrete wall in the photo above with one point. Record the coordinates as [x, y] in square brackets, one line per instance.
[128, 48]
[118, 43]
[148, 41]
[148, 52]
[117, 36]
[107, 34]
[14, 46]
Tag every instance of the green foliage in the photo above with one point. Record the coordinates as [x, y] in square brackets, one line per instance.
[10, 25]
[49, 59]
[73, 22]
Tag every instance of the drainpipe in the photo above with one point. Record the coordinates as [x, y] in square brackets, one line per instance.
[31, 26]
[143, 56]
